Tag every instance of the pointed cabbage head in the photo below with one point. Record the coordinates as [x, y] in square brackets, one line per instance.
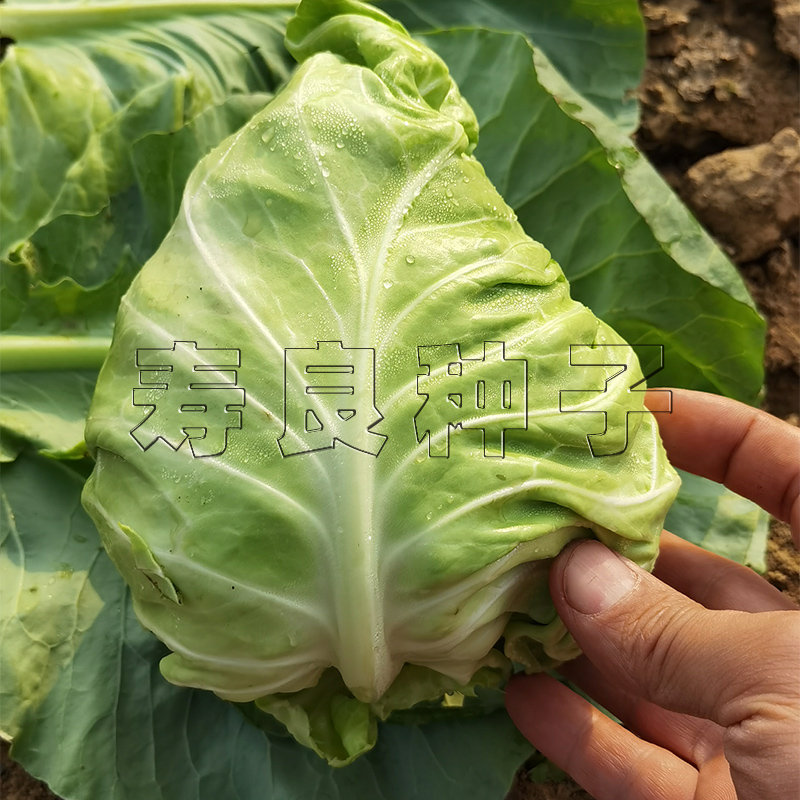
[342, 428]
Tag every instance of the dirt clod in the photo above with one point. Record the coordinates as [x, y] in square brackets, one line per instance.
[749, 196]
[714, 76]
[787, 26]
[774, 283]
[783, 568]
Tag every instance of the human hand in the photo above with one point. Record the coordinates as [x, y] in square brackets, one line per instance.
[708, 687]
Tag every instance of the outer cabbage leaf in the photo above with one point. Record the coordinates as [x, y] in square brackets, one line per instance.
[631, 250]
[89, 713]
[53, 419]
[103, 114]
[347, 228]
[598, 47]
[81, 88]
[712, 516]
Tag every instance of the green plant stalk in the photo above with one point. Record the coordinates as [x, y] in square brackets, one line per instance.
[43, 19]
[33, 353]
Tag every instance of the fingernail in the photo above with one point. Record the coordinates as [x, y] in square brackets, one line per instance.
[596, 578]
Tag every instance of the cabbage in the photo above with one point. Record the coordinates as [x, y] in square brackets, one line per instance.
[350, 412]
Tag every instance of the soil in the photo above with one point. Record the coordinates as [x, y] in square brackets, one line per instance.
[721, 120]
[16, 784]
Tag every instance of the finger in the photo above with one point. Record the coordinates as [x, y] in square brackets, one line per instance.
[749, 451]
[714, 581]
[604, 758]
[715, 781]
[695, 740]
[664, 646]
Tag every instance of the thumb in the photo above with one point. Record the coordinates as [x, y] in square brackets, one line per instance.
[666, 648]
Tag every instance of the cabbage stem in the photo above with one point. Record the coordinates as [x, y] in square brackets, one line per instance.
[44, 19]
[32, 353]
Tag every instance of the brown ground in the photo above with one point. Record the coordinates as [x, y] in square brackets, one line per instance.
[721, 117]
